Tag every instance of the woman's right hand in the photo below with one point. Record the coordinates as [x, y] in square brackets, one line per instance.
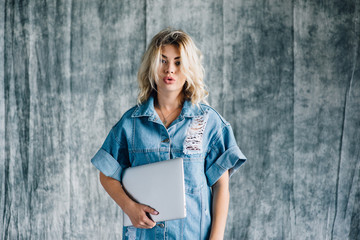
[138, 214]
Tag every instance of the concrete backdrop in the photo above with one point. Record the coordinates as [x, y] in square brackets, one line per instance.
[285, 74]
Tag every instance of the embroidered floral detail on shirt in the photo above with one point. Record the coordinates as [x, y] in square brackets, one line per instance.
[194, 135]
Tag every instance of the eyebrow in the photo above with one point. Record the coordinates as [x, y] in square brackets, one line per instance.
[167, 57]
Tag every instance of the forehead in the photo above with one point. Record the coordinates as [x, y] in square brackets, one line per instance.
[170, 51]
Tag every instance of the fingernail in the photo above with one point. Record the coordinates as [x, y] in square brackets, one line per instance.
[156, 212]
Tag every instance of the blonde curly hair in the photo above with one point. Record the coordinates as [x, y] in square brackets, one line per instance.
[194, 87]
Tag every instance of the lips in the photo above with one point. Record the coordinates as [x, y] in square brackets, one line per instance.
[168, 79]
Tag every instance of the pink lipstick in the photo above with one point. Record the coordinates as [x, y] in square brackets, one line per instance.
[168, 80]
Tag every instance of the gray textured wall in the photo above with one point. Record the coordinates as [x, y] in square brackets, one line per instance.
[285, 74]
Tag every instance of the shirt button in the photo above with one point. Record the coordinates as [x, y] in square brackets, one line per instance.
[166, 140]
[161, 225]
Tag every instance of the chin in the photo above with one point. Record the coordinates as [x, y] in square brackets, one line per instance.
[170, 89]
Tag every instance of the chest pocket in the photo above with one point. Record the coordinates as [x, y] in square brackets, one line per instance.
[148, 143]
[194, 174]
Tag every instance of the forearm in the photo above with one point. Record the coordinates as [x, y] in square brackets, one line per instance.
[136, 212]
[114, 188]
[220, 207]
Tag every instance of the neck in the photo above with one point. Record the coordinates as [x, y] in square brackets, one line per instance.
[170, 101]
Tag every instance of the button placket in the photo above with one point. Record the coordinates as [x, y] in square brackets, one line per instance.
[160, 231]
[161, 225]
[166, 142]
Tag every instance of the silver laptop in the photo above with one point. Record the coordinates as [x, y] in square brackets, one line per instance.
[159, 185]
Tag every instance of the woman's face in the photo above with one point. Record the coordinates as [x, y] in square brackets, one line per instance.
[171, 79]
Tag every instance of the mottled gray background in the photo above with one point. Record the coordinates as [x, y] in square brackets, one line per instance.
[285, 74]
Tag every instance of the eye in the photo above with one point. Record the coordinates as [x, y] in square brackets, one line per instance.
[177, 63]
[163, 61]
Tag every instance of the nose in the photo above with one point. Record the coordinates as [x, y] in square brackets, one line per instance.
[170, 68]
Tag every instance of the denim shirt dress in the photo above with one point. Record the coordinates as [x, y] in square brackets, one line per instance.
[199, 135]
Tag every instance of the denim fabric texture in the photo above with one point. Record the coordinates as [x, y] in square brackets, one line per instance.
[199, 135]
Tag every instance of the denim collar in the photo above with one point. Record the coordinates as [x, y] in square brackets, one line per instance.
[147, 109]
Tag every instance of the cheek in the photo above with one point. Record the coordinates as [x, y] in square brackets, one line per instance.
[183, 78]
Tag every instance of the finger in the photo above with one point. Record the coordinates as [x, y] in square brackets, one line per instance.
[145, 220]
[149, 223]
[151, 210]
[145, 223]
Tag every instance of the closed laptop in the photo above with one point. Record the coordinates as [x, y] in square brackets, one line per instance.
[159, 185]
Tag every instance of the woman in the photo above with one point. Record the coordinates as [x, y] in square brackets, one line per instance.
[170, 122]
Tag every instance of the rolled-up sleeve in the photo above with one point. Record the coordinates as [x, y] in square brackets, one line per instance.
[112, 158]
[224, 155]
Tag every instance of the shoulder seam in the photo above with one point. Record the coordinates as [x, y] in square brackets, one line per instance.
[118, 122]
[115, 137]
[216, 139]
[226, 123]
[125, 113]
[132, 108]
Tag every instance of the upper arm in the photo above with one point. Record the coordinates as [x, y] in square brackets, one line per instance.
[223, 181]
